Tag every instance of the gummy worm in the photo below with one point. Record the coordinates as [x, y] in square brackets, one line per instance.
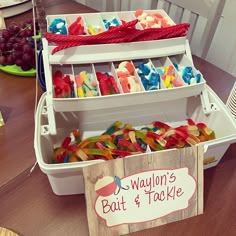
[126, 144]
[157, 137]
[100, 152]
[113, 128]
[94, 139]
[134, 141]
[148, 141]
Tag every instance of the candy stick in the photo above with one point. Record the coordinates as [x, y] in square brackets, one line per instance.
[169, 70]
[78, 81]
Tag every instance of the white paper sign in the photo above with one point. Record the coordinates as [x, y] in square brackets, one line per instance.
[143, 196]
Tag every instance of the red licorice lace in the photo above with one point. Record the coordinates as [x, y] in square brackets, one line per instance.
[118, 34]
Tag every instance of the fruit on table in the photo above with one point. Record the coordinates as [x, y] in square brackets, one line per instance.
[17, 45]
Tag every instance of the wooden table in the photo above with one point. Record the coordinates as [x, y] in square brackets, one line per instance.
[27, 203]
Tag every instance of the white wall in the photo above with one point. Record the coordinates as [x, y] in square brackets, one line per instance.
[223, 49]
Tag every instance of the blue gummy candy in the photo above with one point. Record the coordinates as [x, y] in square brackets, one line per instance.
[187, 78]
[63, 30]
[176, 66]
[198, 77]
[154, 79]
[107, 25]
[153, 88]
[144, 82]
[189, 69]
[53, 27]
[186, 70]
[144, 68]
[115, 22]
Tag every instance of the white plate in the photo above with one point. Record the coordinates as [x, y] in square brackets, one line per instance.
[8, 3]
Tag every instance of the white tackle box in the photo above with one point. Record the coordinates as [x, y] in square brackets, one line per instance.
[57, 117]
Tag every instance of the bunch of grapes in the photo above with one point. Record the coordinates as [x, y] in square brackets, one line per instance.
[17, 45]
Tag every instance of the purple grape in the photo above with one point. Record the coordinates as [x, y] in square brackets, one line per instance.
[26, 48]
[2, 40]
[19, 62]
[9, 60]
[17, 45]
[19, 54]
[26, 58]
[9, 46]
[28, 33]
[26, 67]
[6, 34]
[16, 29]
[3, 47]
[12, 40]
[3, 60]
